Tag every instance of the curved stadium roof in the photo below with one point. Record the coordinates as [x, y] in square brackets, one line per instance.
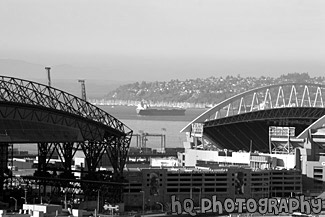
[244, 119]
[32, 112]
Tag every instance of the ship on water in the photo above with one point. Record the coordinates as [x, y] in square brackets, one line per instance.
[145, 109]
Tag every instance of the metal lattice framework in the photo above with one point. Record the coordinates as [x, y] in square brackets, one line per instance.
[16, 90]
[249, 114]
[58, 121]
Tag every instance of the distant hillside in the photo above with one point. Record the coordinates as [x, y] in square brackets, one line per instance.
[201, 91]
[95, 89]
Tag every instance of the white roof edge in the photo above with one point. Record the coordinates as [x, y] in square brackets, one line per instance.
[201, 118]
[317, 124]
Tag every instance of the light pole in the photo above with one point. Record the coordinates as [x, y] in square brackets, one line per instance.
[25, 198]
[142, 201]
[97, 203]
[149, 204]
[15, 202]
[25, 195]
[162, 206]
[65, 199]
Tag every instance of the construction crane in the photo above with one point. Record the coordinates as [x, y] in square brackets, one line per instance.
[83, 90]
[142, 139]
[48, 69]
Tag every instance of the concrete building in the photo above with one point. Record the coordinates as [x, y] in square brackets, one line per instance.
[192, 157]
[155, 185]
[312, 158]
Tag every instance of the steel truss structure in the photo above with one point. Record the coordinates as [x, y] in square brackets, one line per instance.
[246, 117]
[62, 123]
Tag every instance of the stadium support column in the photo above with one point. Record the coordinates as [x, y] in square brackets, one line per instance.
[67, 151]
[117, 150]
[93, 152]
[3, 166]
[45, 152]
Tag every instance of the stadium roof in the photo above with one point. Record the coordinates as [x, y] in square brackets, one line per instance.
[242, 122]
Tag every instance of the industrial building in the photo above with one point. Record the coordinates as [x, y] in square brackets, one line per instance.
[157, 185]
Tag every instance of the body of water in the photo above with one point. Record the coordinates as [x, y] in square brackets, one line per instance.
[172, 125]
[168, 125]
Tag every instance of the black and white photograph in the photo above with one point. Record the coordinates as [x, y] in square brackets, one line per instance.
[145, 108]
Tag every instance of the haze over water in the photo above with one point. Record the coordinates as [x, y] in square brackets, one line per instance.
[147, 40]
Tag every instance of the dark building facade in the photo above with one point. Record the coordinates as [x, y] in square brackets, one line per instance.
[152, 186]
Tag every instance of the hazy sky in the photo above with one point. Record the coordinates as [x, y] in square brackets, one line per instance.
[167, 39]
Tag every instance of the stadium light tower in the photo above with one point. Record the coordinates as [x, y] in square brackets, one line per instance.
[83, 90]
[48, 69]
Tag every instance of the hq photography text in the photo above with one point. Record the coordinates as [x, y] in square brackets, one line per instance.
[240, 205]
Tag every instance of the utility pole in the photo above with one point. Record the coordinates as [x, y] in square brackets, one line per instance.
[83, 90]
[48, 75]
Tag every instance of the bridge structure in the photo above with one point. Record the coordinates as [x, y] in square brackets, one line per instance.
[61, 123]
[244, 121]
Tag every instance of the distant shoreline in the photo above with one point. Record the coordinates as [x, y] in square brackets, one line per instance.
[104, 102]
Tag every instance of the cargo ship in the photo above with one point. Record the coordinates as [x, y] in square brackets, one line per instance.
[144, 109]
